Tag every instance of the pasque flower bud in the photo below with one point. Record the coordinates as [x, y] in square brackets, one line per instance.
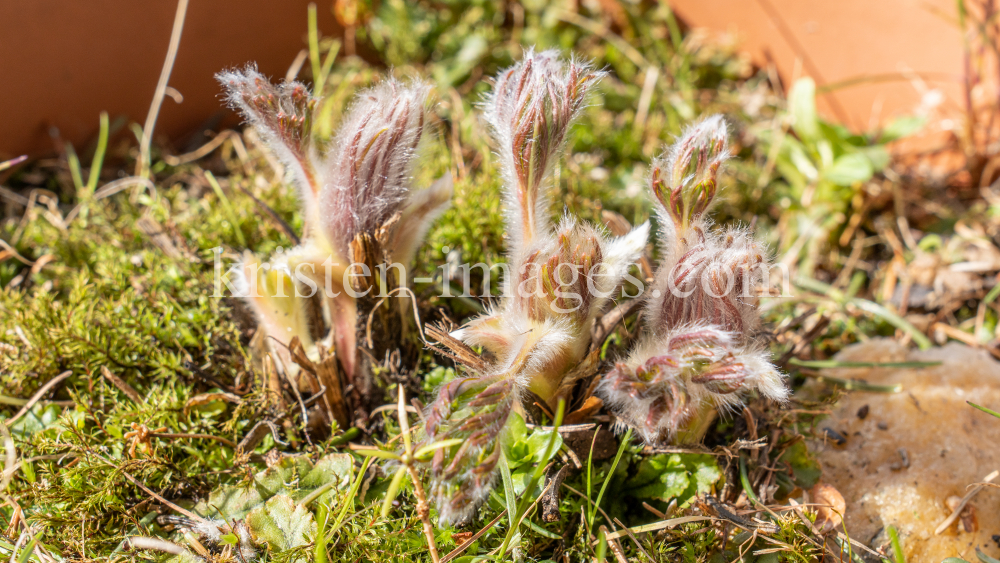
[699, 351]
[539, 334]
[358, 185]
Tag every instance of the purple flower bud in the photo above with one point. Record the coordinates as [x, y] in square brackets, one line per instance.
[530, 110]
[686, 179]
[283, 117]
[370, 165]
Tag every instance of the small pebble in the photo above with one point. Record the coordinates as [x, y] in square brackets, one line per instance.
[835, 436]
[905, 464]
[883, 426]
[863, 412]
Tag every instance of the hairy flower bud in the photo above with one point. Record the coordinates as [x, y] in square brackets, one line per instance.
[369, 168]
[699, 351]
[538, 337]
[677, 379]
[685, 180]
[715, 281]
[530, 110]
[283, 116]
[359, 186]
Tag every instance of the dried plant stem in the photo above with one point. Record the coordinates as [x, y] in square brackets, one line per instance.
[424, 512]
[142, 167]
[37, 396]
[423, 509]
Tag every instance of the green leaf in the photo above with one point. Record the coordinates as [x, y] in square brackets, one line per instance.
[706, 471]
[878, 155]
[516, 428]
[468, 57]
[294, 476]
[667, 476]
[538, 441]
[901, 127]
[38, 419]
[282, 523]
[848, 169]
[802, 103]
[801, 161]
[27, 551]
[393, 492]
[806, 471]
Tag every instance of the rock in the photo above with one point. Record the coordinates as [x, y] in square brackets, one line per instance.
[915, 449]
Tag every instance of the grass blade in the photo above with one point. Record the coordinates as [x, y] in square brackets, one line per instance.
[510, 497]
[98, 163]
[852, 385]
[831, 364]
[897, 547]
[607, 479]
[349, 501]
[535, 476]
[867, 306]
[393, 491]
[74, 168]
[314, 49]
[984, 409]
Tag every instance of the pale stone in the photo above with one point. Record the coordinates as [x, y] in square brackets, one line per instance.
[917, 448]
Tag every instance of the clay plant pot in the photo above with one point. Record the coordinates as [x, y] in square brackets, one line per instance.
[871, 61]
[62, 63]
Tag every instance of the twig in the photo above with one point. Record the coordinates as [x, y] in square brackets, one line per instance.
[465, 545]
[201, 151]
[141, 542]
[616, 548]
[607, 323]
[257, 433]
[122, 385]
[37, 396]
[10, 251]
[637, 544]
[142, 167]
[965, 500]
[733, 518]
[150, 492]
[12, 162]
[219, 439]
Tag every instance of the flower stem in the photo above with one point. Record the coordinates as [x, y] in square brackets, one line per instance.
[424, 512]
[697, 427]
